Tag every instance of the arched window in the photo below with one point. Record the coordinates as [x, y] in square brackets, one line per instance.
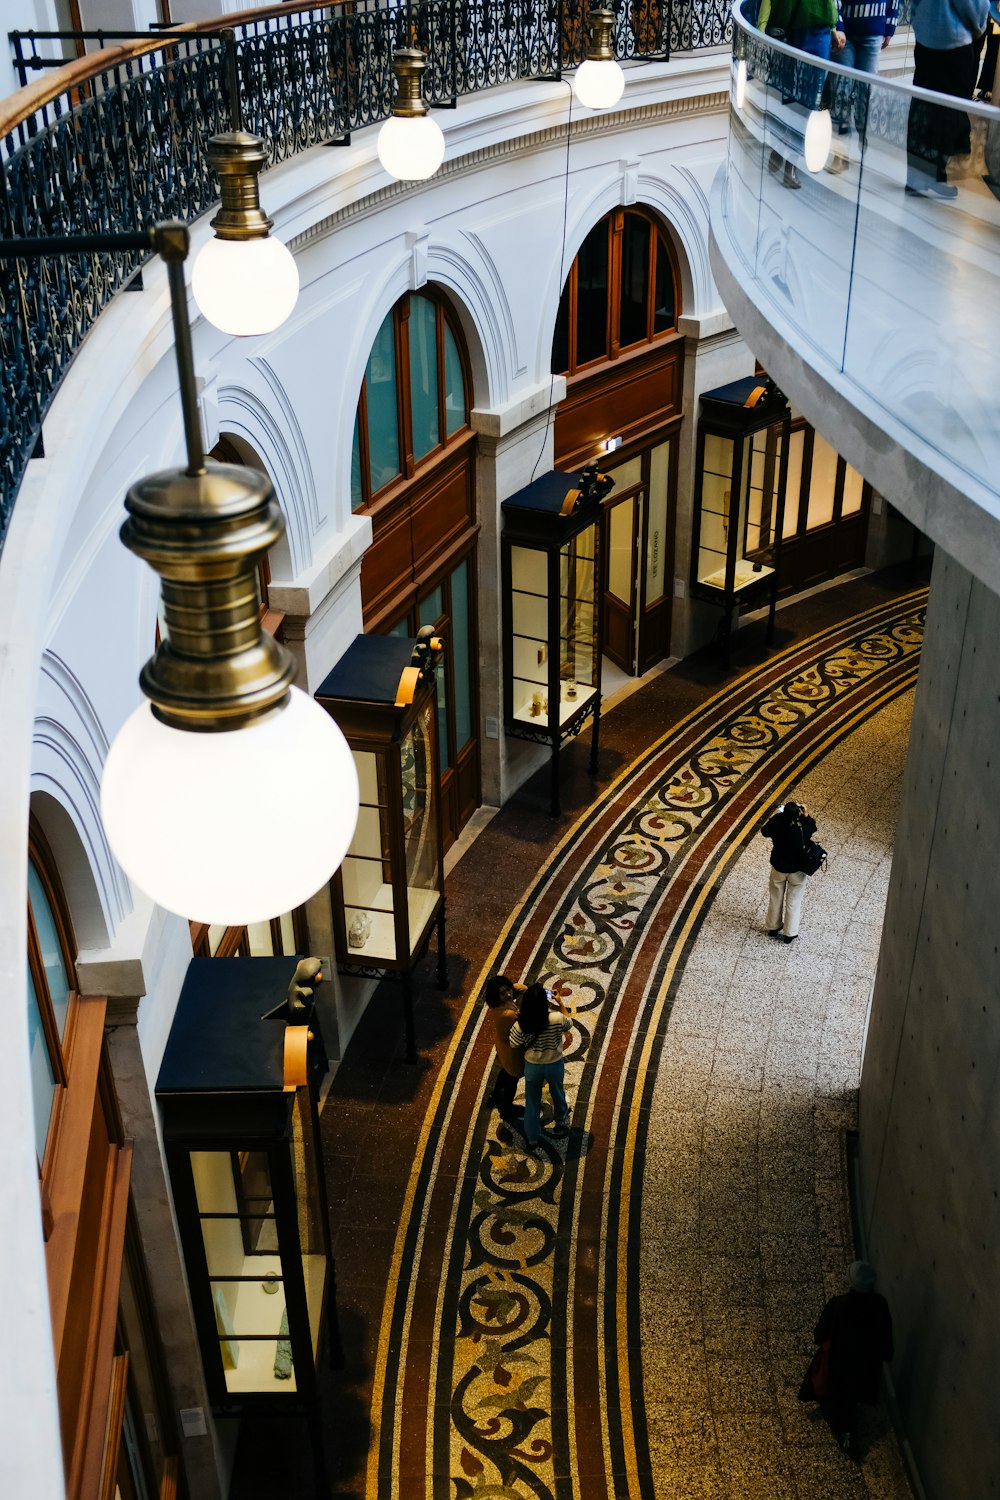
[413, 397]
[51, 990]
[621, 293]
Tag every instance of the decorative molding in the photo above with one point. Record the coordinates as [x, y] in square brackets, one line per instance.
[630, 180]
[461, 166]
[416, 243]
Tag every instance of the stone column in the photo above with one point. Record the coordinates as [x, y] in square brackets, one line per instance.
[162, 1257]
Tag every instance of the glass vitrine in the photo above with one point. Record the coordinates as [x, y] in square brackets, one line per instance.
[389, 891]
[550, 551]
[246, 1173]
[743, 434]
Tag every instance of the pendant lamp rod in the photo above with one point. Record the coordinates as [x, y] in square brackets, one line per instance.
[232, 79]
[171, 242]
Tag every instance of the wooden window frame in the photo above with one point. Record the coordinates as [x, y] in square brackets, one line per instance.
[409, 466]
[60, 1048]
[235, 941]
[613, 348]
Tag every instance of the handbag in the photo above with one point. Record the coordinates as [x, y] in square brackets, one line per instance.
[814, 857]
[816, 1381]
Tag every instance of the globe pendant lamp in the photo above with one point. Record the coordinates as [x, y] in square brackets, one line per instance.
[599, 82]
[410, 143]
[245, 280]
[230, 797]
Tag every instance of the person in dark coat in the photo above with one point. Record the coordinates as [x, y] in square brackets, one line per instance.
[859, 1327]
[788, 830]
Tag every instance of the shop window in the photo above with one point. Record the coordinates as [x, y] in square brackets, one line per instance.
[822, 488]
[282, 936]
[446, 606]
[413, 397]
[621, 292]
[51, 991]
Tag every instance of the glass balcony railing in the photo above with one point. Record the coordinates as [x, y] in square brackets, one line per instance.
[862, 214]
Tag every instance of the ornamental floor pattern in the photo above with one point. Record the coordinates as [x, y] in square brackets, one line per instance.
[631, 1315]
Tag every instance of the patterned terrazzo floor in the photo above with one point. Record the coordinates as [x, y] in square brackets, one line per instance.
[631, 1315]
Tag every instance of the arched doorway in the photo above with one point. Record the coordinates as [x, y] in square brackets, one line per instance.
[413, 472]
[617, 343]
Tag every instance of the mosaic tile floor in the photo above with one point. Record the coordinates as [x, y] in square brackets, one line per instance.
[632, 1314]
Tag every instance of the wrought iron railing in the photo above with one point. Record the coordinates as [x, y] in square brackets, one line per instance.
[117, 139]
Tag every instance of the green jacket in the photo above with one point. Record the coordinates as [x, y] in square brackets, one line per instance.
[796, 15]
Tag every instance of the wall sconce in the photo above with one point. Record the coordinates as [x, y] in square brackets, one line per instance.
[245, 281]
[230, 797]
[599, 82]
[410, 143]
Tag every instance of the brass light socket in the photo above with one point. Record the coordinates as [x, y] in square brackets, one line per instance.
[408, 65]
[600, 47]
[203, 533]
[237, 158]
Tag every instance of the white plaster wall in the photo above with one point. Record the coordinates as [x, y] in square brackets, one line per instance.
[77, 612]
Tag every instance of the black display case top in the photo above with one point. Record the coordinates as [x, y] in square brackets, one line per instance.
[218, 1042]
[369, 670]
[727, 404]
[535, 513]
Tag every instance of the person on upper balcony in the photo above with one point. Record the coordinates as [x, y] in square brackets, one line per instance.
[948, 35]
[811, 26]
[868, 26]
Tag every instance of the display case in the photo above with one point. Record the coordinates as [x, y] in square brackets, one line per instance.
[238, 1097]
[550, 557]
[742, 464]
[389, 891]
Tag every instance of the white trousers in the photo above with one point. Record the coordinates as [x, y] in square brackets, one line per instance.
[785, 891]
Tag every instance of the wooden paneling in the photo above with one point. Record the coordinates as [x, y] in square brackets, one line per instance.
[626, 398]
[387, 583]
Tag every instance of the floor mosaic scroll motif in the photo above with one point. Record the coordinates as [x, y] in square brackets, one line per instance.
[525, 1268]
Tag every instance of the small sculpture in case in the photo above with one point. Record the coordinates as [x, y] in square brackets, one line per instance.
[360, 930]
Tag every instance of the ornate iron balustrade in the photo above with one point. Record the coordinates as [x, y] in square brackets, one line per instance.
[116, 140]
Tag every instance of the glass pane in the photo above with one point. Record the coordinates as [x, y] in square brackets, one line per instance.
[252, 1322]
[560, 338]
[765, 471]
[460, 654]
[454, 384]
[419, 824]
[310, 1212]
[429, 613]
[401, 629]
[577, 621]
[656, 537]
[716, 494]
[380, 388]
[366, 875]
[423, 375]
[530, 627]
[237, 1247]
[853, 487]
[217, 1174]
[635, 280]
[43, 1082]
[822, 482]
[793, 485]
[621, 549]
[664, 312]
[592, 296]
[216, 933]
[357, 494]
[259, 940]
[51, 948]
[626, 475]
[288, 943]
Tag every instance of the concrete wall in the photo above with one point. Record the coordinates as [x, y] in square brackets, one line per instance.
[930, 1109]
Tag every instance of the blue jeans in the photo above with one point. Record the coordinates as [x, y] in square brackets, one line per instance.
[862, 53]
[807, 85]
[535, 1074]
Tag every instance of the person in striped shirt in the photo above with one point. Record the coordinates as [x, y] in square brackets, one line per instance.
[542, 1029]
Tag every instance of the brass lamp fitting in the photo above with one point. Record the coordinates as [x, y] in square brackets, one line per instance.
[601, 24]
[203, 529]
[237, 158]
[408, 64]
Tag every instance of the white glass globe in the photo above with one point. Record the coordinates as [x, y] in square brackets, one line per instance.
[818, 139]
[598, 85]
[232, 827]
[411, 149]
[245, 286]
[740, 84]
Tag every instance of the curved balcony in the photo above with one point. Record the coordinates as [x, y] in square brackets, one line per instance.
[868, 286]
